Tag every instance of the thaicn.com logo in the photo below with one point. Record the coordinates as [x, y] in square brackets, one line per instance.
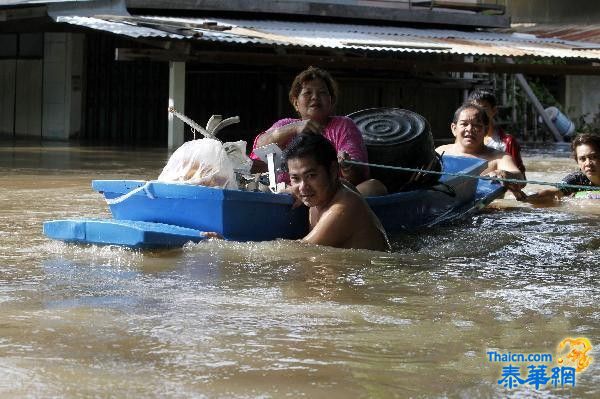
[544, 369]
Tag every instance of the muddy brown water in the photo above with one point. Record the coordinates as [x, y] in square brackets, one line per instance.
[281, 319]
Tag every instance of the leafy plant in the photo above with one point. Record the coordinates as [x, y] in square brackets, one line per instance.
[589, 127]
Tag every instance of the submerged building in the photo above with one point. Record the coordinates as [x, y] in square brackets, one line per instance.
[105, 72]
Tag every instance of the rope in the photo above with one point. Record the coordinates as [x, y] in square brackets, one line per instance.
[131, 193]
[517, 181]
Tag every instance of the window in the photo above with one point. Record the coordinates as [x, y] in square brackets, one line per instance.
[8, 45]
[22, 45]
[31, 45]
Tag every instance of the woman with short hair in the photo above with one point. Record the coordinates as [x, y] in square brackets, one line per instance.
[313, 95]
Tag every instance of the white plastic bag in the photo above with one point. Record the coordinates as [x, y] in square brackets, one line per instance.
[203, 162]
[236, 151]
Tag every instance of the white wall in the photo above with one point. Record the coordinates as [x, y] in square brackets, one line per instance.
[56, 102]
[582, 96]
[28, 98]
[42, 98]
[63, 55]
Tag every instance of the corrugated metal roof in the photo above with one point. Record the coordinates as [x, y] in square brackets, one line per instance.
[585, 33]
[118, 28]
[141, 28]
[341, 36]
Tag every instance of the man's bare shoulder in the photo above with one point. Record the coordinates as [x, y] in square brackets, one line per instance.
[493, 154]
[499, 160]
[487, 153]
[336, 225]
[506, 162]
[347, 201]
[447, 148]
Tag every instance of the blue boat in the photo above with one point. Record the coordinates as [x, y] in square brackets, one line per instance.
[256, 216]
[128, 233]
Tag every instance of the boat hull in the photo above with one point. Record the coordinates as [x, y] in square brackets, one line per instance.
[129, 233]
[234, 214]
[254, 216]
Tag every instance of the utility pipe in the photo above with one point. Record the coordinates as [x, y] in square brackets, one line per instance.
[536, 103]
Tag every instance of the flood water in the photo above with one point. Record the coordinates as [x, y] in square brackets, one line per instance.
[282, 319]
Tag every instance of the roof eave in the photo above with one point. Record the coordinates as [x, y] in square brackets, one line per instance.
[332, 12]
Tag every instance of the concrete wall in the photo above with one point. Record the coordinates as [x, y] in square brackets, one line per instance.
[20, 98]
[42, 98]
[62, 88]
[56, 121]
[582, 96]
[554, 11]
[28, 98]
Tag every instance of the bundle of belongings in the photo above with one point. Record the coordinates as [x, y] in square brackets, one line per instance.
[208, 161]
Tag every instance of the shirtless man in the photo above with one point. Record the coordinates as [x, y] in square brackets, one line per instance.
[496, 137]
[469, 128]
[338, 216]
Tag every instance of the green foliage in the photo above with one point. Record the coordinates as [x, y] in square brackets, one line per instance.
[589, 127]
[543, 94]
[541, 61]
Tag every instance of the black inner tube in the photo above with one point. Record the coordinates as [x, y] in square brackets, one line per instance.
[398, 137]
[389, 126]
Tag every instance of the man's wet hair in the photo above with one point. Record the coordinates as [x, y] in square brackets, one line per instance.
[479, 95]
[483, 118]
[307, 145]
[591, 139]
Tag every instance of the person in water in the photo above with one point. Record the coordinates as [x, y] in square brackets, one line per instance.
[496, 137]
[313, 95]
[338, 216]
[469, 127]
[585, 148]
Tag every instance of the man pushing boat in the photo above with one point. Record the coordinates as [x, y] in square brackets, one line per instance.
[469, 127]
[585, 149]
[338, 216]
